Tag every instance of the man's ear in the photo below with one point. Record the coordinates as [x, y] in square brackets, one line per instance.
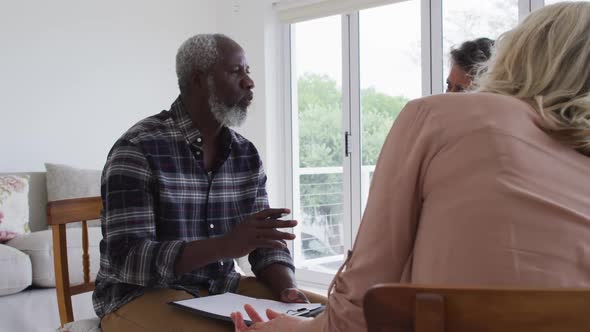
[199, 79]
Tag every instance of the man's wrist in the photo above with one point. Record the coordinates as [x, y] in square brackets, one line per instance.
[224, 247]
[199, 253]
[278, 277]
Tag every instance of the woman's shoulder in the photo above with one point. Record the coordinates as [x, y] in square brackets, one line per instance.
[463, 104]
[459, 113]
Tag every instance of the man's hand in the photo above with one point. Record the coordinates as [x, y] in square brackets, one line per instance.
[259, 231]
[293, 295]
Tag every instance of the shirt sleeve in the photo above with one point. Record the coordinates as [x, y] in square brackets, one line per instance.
[130, 244]
[262, 257]
[383, 248]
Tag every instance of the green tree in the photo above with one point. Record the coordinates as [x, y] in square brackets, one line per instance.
[318, 90]
[379, 110]
[320, 121]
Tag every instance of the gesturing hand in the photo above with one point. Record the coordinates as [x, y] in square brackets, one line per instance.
[259, 231]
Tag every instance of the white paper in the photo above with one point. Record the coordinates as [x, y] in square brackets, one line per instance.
[225, 304]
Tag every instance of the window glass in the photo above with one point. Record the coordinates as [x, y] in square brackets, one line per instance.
[390, 74]
[318, 182]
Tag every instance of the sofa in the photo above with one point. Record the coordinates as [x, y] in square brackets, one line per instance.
[27, 295]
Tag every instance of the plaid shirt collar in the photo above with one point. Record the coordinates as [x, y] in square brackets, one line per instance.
[185, 123]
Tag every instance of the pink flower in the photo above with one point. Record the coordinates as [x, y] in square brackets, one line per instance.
[6, 235]
[12, 182]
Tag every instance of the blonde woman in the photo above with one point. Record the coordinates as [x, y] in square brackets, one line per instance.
[481, 189]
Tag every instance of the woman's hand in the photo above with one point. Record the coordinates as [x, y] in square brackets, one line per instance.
[277, 322]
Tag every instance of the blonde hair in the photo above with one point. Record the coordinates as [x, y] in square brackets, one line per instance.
[545, 61]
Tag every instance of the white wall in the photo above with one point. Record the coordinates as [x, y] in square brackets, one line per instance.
[74, 75]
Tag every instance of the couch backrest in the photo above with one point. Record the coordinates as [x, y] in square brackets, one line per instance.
[37, 199]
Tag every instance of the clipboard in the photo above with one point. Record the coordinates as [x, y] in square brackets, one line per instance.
[221, 306]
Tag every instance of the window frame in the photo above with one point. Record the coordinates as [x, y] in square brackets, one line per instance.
[431, 17]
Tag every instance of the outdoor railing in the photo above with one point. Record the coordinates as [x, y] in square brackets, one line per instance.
[321, 213]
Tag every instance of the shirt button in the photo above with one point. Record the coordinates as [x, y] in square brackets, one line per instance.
[211, 226]
[221, 263]
[198, 153]
[199, 140]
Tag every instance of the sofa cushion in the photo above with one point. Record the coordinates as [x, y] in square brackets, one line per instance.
[16, 270]
[65, 182]
[14, 206]
[39, 246]
[37, 199]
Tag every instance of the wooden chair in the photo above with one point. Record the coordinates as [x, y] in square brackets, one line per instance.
[60, 213]
[397, 308]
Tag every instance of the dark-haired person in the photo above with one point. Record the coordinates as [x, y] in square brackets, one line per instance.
[465, 61]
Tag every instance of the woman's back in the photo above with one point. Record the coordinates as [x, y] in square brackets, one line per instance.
[503, 203]
[469, 191]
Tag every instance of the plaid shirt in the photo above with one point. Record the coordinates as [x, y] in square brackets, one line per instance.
[157, 196]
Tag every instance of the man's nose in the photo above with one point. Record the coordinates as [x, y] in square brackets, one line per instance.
[247, 83]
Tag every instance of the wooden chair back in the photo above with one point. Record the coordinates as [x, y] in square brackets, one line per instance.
[60, 213]
[397, 308]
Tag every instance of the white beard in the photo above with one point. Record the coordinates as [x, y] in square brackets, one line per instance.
[231, 116]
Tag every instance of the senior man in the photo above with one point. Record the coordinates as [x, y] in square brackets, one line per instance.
[183, 195]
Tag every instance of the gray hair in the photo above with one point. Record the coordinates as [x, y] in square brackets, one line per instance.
[200, 53]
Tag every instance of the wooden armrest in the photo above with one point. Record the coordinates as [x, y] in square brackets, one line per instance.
[73, 210]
